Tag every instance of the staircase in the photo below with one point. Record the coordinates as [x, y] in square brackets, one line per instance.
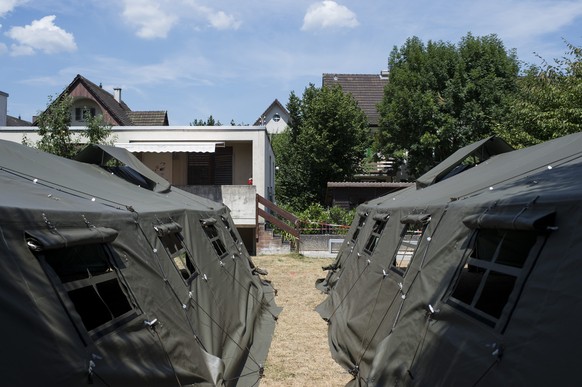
[278, 217]
[270, 244]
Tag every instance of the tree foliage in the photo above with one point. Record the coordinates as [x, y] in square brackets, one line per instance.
[54, 129]
[442, 96]
[324, 141]
[209, 122]
[548, 103]
[98, 131]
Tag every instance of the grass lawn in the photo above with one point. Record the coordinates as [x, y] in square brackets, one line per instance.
[299, 354]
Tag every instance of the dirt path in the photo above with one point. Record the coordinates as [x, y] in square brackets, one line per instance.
[299, 354]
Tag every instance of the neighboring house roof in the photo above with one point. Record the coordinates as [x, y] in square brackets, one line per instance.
[13, 121]
[120, 113]
[367, 90]
[149, 118]
[273, 105]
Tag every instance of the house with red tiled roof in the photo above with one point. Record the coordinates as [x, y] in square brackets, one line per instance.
[92, 100]
[367, 90]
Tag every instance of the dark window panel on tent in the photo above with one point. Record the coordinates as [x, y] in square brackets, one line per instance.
[209, 227]
[491, 272]
[173, 242]
[375, 234]
[410, 239]
[230, 229]
[361, 223]
[88, 276]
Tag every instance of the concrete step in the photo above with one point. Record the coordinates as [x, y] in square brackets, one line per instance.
[269, 244]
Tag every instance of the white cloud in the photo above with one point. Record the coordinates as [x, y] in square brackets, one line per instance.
[156, 18]
[150, 18]
[535, 19]
[3, 48]
[329, 14]
[223, 21]
[7, 6]
[41, 35]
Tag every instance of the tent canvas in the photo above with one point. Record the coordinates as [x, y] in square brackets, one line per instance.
[471, 280]
[108, 283]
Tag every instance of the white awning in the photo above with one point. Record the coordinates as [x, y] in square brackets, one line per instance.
[161, 147]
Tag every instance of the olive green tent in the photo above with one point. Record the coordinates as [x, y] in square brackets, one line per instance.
[468, 279]
[112, 277]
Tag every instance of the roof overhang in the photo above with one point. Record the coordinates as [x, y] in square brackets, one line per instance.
[163, 147]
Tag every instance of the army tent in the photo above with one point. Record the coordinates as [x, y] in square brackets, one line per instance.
[471, 278]
[112, 277]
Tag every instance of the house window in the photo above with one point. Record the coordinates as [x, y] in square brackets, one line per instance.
[375, 235]
[491, 271]
[361, 223]
[89, 276]
[83, 113]
[173, 243]
[276, 117]
[209, 226]
[210, 168]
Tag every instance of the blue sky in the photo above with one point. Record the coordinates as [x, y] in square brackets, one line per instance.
[231, 58]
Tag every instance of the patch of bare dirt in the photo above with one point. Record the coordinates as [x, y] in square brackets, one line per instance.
[299, 354]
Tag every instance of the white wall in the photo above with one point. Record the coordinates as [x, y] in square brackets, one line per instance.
[3, 108]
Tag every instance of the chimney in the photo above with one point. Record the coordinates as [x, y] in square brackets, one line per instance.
[3, 108]
[117, 94]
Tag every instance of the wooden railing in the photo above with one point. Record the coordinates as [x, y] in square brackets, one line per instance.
[289, 222]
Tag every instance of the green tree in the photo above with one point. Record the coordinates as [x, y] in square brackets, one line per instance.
[53, 128]
[324, 141]
[209, 122]
[98, 131]
[548, 103]
[443, 96]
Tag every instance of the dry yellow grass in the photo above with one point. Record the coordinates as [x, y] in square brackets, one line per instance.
[299, 354]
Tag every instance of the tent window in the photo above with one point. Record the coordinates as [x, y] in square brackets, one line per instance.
[90, 277]
[409, 242]
[229, 228]
[375, 236]
[174, 246]
[491, 271]
[361, 223]
[212, 234]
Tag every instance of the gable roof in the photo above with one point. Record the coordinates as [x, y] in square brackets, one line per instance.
[367, 90]
[275, 103]
[13, 121]
[118, 110]
[149, 118]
